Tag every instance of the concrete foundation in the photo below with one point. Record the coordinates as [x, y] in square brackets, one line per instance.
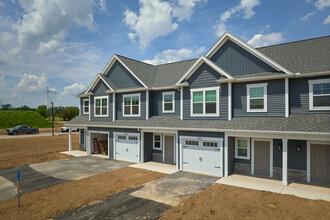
[295, 175]
[242, 168]
[157, 157]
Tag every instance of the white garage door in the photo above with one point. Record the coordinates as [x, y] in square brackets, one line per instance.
[127, 147]
[202, 155]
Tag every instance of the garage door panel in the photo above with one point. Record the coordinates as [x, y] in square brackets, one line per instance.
[127, 148]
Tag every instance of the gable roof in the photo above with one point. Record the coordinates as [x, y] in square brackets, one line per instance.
[97, 79]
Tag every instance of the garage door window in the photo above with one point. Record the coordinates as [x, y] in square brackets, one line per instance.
[101, 106]
[121, 137]
[242, 148]
[319, 94]
[157, 142]
[210, 144]
[205, 102]
[192, 143]
[131, 105]
[132, 138]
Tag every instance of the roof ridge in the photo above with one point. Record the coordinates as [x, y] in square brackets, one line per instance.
[135, 60]
[292, 42]
[176, 62]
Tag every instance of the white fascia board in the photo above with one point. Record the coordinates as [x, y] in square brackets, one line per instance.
[94, 83]
[247, 47]
[198, 63]
[109, 65]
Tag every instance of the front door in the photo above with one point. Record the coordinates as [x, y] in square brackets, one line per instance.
[320, 163]
[262, 158]
[169, 149]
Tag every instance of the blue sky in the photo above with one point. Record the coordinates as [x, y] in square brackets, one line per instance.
[63, 44]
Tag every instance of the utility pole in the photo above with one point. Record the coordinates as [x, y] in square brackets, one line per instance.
[51, 97]
[52, 118]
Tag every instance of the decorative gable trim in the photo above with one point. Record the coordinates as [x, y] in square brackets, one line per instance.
[115, 58]
[247, 47]
[198, 63]
[94, 83]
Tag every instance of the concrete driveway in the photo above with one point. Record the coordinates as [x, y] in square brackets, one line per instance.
[149, 201]
[43, 175]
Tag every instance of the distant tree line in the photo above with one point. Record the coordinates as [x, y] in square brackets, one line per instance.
[66, 113]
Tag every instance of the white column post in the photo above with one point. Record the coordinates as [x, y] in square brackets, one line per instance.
[252, 156]
[89, 108]
[142, 147]
[285, 162]
[147, 104]
[308, 161]
[114, 107]
[177, 150]
[70, 139]
[226, 155]
[286, 97]
[181, 103]
[229, 101]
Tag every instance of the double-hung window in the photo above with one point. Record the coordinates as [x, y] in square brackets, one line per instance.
[86, 106]
[131, 105]
[168, 102]
[101, 106]
[205, 102]
[256, 97]
[319, 94]
[242, 148]
[157, 142]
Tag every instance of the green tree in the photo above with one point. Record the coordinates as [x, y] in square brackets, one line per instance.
[74, 111]
[42, 110]
[25, 108]
[65, 114]
[6, 107]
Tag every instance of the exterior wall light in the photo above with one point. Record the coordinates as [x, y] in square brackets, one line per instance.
[298, 148]
[279, 147]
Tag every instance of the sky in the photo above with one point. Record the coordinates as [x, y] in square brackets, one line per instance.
[62, 44]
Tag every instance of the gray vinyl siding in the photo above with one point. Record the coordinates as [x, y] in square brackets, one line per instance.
[296, 160]
[275, 99]
[156, 103]
[231, 154]
[99, 90]
[205, 77]
[148, 146]
[82, 106]
[119, 106]
[121, 77]
[299, 95]
[237, 61]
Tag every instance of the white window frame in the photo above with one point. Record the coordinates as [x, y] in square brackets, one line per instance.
[311, 96]
[161, 141]
[101, 97]
[250, 86]
[131, 95]
[173, 102]
[89, 106]
[204, 90]
[248, 148]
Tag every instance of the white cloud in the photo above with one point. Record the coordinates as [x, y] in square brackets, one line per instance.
[103, 5]
[1, 4]
[30, 83]
[2, 81]
[327, 20]
[245, 7]
[260, 40]
[44, 21]
[321, 4]
[185, 9]
[267, 26]
[73, 89]
[169, 56]
[307, 16]
[5, 38]
[45, 48]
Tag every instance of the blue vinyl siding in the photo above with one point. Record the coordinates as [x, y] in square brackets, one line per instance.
[121, 77]
[275, 99]
[203, 77]
[299, 95]
[99, 90]
[156, 103]
[119, 106]
[237, 61]
[82, 106]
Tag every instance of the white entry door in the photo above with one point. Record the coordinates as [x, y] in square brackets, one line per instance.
[127, 147]
[202, 155]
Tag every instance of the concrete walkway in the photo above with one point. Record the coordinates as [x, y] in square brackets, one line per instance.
[296, 189]
[157, 167]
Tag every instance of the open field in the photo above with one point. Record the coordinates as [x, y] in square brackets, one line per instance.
[9, 119]
[229, 202]
[61, 198]
[21, 151]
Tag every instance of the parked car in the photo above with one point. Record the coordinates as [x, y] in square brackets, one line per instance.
[65, 129]
[21, 129]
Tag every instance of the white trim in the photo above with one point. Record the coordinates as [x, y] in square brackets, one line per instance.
[285, 161]
[89, 115]
[247, 148]
[89, 106]
[198, 63]
[247, 47]
[70, 139]
[147, 104]
[90, 132]
[112, 61]
[123, 105]
[114, 107]
[95, 81]
[161, 142]
[286, 97]
[173, 102]
[181, 103]
[177, 150]
[204, 102]
[181, 151]
[142, 147]
[248, 87]
[311, 96]
[229, 101]
[101, 97]
[226, 156]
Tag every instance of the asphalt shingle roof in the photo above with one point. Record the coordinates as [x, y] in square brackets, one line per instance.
[294, 123]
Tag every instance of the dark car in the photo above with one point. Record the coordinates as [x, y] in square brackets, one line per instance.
[22, 129]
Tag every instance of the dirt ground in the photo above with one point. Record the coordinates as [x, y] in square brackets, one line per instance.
[21, 151]
[228, 202]
[58, 199]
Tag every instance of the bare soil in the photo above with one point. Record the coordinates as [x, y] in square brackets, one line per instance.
[228, 202]
[61, 198]
[21, 151]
